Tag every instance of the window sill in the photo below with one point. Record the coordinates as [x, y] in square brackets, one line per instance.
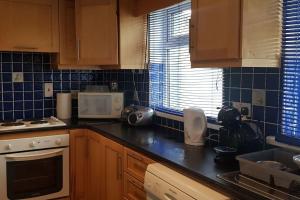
[180, 118]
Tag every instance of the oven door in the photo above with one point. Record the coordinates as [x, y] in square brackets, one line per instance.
[35, 175]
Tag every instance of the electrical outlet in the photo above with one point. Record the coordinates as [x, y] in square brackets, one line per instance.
[17, 77]
[259, 97]
[239, 105]
[48, 89]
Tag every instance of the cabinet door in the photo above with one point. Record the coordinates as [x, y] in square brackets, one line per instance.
[29, 25]
[133, 31]
[97, 32]
[78, 165]
[67, 33]
[113, 170]
[215, 30]
[95, 170]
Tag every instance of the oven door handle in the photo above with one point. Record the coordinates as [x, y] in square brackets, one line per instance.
[34, 155]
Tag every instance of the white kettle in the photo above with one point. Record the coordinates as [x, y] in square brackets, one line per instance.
[195, 125]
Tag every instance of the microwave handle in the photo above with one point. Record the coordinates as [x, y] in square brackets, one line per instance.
[34, 155]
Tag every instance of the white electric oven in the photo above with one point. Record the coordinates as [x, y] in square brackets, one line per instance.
[34, 168]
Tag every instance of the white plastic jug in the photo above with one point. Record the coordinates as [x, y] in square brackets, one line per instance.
[195, 125]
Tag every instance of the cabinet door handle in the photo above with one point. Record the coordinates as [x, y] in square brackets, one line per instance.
[119, 167]
[78, 50]
[190, 35]
[87, 148]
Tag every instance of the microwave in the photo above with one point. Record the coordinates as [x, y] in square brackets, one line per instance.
[100, 105]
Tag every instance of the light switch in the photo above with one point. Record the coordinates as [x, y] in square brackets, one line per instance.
[48, 90]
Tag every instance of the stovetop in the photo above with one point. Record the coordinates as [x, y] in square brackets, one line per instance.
[31, 124]
[260, 187]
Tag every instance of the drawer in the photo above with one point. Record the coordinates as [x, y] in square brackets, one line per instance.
[133, 189]
[136, 164]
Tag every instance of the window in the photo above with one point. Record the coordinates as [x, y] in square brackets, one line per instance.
[290, 118]
[174, 85]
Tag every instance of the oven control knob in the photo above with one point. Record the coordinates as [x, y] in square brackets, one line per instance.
[32, 144]
[58, 141]
[8, 147]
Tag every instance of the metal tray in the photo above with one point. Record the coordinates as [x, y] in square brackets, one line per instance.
[288, 178]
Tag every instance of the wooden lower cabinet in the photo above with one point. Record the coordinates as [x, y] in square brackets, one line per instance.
[78, 164]
[102, 169]
[113, 161]
[96, 167]
[133, 189]
[87, 169]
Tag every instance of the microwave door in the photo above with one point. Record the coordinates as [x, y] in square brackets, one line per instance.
[95, 105]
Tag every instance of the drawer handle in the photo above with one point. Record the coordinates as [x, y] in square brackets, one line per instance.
[169, 197]
[136, 157]
[136, 184]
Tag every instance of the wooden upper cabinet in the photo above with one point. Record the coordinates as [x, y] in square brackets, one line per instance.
[215, 30]
[67, 33]
[236, 33]
[29, 25]
[132, 36]
[97, 32]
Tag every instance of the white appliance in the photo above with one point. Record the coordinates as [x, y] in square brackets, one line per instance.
[31, 124]
[195, 125]
[162, 183]
[34, 168]
[100, 104]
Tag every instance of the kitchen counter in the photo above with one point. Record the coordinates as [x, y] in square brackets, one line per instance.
[165, 146]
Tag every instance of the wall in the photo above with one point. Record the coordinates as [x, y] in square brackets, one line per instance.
[26, 99]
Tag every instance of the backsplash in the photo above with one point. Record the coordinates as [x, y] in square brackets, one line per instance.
[26, 99]
[239, 84]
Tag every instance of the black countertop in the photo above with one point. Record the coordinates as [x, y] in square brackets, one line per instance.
[166, 146]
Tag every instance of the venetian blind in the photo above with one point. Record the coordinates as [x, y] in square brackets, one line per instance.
[174, 85]
[291, 69]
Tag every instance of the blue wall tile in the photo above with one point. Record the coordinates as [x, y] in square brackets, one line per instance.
[259, 81]
[27, 99]
[267, 79]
